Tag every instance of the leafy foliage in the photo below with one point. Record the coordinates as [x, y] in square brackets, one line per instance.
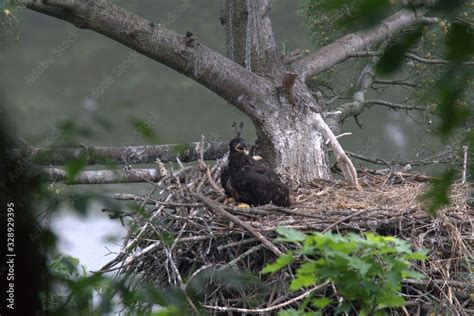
[79, 293]
[366, 271]
[394, 55]
[144, 129]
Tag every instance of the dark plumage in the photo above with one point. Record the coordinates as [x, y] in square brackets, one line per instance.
[249, 181]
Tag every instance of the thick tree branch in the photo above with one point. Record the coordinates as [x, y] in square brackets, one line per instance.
[343, 48]
[186, 152]
[223, 76]
[356, 106]
[102, 176]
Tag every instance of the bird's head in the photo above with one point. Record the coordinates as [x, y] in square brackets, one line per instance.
[238, 145]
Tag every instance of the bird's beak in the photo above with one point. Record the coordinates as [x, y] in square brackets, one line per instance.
[242, 149]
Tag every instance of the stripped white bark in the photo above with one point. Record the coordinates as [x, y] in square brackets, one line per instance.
[102, 176]
[348, 170]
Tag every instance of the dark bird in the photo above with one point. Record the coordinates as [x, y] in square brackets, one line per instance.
[249, 181]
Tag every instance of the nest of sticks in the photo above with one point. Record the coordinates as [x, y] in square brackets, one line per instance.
[188, 237]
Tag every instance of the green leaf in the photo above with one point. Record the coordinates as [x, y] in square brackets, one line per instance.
[451, 88]
[413, 275]
[290, 235]
[279, 263]
[438, 195]
[305, 275]
[359, 265]
[394, 54]
[321, 302]
[289, 312]
[421, 254]
[144, 129]
[73, 169]
[344, 308]
[460, 41]
[180, 149]
[390, 299]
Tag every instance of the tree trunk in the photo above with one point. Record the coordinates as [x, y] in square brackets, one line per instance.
[286, 125]
[294, 147]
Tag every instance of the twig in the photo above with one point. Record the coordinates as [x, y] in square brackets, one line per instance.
[345, 219]
[267, 309]
[433, 61]
[237, 221]
[338, 136]
[464, 165]
[236, 243]
[397, 106]
[243, 255]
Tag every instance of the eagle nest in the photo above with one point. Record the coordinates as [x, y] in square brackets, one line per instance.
[188, 237]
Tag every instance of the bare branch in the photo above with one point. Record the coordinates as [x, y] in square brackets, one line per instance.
[397, 106]
[269, 309]
[343, 48]
[432, 61]
[103, 176]
[213, 70]
[396, 82]
[216, 207]
[464, 165]
[186, 152]
[441, 158]
[356, 106]
[347, 168]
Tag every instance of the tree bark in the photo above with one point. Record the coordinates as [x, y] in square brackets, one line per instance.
[102, 176]
[186, 152]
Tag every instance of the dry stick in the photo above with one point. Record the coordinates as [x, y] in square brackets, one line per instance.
[125, 249]
[236, 243]
[130, 259]
[242, 256]
[151, 201]
[212, 204]
[267, 309]
[348, 170]
[346, 218]
[287, 211]
[464, 165]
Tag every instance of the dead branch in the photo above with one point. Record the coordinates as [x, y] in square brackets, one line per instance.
[186, 152]
[348, 170]
[396, 106]
[102, 176]
[441, 158]
[396, 82]
[267, 309]
[236, 220]
[356, 106]
[432, 61]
